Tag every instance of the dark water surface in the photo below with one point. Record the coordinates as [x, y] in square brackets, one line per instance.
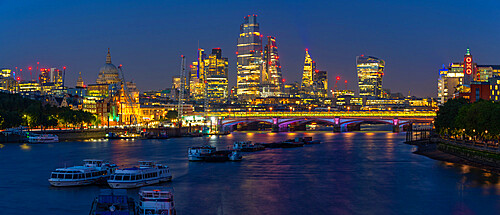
[349, 173]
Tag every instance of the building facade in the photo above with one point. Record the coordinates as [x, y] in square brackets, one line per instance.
[271, 77]
[370, 72]
[249, 59]
[307, 74]
[217, 77]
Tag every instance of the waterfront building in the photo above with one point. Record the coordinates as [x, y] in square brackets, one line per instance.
[320, 83]
[249, 59]
[271, 77]
[494, 88]
[370, 72]
[469, 69]
[307, 75]
[217, 81]
[108, 74]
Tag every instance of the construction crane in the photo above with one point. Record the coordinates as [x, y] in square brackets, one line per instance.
[128, 99]
[181, 89]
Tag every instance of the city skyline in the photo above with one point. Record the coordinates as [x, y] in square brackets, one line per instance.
[151, 61]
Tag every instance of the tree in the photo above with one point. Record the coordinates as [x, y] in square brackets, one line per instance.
[172, 114]
[446, 116]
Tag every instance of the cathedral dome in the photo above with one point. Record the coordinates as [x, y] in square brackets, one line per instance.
[108, 74]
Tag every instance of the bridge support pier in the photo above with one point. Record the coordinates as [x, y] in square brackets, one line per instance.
[336, 125]
[276, 127]
[395, 125]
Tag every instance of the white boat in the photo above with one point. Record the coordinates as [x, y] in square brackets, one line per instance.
[147, 173]
[91, 172]
[43, 138]
[199, 153]
[156, 201]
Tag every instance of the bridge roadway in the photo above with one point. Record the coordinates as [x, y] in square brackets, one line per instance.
[339, 119]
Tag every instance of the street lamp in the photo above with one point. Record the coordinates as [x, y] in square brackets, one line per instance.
[290, 109]
[309, 109]
[271, 109]
[329, 109]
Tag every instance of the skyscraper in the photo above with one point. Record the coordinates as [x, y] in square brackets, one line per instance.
[216, 71]
[249, 59]
[370, 72]
[197, 77]
[271, 78]
[307, 75]
[320, 83]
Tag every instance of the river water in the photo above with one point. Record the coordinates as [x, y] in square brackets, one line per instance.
[348, 173]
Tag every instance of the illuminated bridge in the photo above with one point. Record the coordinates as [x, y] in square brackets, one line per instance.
[338, 119]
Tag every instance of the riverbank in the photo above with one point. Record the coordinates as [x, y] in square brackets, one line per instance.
[442, 150]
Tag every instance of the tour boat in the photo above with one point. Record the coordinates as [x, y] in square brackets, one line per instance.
[43, 138]
[147, 173]
[200, 152]
[113, 202]
[247, 146]
[91, 172]
[155, 201]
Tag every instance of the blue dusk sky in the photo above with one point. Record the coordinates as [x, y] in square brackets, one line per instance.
[415, 38]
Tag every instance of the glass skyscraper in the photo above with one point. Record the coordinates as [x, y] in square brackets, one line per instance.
[216, 70]
[271, 78]
[249, 59]
[370, 72]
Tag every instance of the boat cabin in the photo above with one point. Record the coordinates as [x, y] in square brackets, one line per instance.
[77, 174]
[93, 163]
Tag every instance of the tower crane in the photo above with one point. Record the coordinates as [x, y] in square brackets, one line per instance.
[128, 99]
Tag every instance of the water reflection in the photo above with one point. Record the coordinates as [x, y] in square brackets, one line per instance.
[348, 173]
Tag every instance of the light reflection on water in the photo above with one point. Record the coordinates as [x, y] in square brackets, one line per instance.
[348, 173]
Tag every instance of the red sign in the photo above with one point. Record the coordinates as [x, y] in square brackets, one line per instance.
[468, 65]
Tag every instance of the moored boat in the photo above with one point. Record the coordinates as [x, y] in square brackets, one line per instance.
[43, 138]
[309, 140]
[199, 153]
[147, 173]
[92, 171]
[247, 146]
[156, 201]
[113, 202]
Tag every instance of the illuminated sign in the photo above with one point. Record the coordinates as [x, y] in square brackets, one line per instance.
[468, 65]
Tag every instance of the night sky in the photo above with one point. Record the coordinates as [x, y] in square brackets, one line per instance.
[414, 37]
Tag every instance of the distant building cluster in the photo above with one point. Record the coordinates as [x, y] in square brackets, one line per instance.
[468, 80]
[203, 86]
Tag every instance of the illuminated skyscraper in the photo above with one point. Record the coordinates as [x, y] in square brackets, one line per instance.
[320, 83]
[370, 72]
[307, 75]
[271, 78]
[197, 78]
[216, 71]
[249, 59]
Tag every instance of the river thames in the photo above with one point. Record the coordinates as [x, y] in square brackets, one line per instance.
[348, 173]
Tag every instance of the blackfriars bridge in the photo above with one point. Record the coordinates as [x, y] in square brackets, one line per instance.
[340, 120]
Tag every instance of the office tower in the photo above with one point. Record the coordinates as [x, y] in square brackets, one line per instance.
[249, 59]
[216, 81]
[370, 72]
[469, 69]
[271, 78]
[197, 78]
[309, 68]
[320, 83]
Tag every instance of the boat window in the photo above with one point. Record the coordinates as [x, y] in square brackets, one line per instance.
[67, 176]
[132, 178]
[88, 175]
[126, 177]
[53, 175]
[60, 175]
[118, 177]
[139, 177]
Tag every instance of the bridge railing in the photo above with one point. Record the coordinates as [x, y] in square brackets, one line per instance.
[430, 114]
